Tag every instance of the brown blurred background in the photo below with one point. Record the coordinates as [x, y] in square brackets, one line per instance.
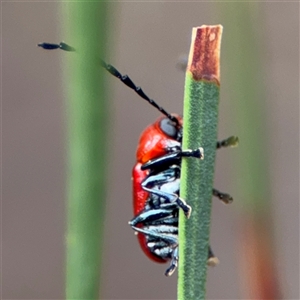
[147, 40]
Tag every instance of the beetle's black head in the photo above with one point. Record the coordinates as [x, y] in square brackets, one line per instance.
[172, 129]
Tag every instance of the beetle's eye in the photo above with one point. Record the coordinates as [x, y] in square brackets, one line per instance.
[168, 128]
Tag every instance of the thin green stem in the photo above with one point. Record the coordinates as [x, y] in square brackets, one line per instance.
[200, 129]
[87, 125]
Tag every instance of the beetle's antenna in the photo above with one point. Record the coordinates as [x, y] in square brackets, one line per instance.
[61, 45]
[127, 81]
[113, 71]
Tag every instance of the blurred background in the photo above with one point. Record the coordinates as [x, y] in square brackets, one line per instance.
[147, 41]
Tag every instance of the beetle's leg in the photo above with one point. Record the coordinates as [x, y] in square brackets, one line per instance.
[212, 260]
[167, 180]
[172, 157]
[163, 242]
[172, 241]
[161, 178]
[154, 215]
[232, 141]
[171, 198]
[225, 198]
[174, 263]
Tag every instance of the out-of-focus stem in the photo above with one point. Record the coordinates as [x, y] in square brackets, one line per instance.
[86, 30]
[252, 185]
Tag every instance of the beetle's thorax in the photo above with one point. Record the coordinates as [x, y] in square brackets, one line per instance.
[157, 138]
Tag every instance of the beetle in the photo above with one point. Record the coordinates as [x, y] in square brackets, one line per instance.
[156, 179]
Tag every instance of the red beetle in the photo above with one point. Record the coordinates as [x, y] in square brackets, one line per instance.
[156, 180]
[156, 185]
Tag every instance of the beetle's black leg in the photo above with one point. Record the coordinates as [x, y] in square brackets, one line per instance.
[226, 198]
[232, 141]
[151, 221]
[172, 198]
[169, 239]
[212, 260]
[174, 263]
[196, 153]
[162, 241]
[170, 175]
[154, 215]
[165, 176]
[172, 157]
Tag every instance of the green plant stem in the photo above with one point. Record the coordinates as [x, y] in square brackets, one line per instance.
[87, 125]
[200, 129]
[245, 53]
